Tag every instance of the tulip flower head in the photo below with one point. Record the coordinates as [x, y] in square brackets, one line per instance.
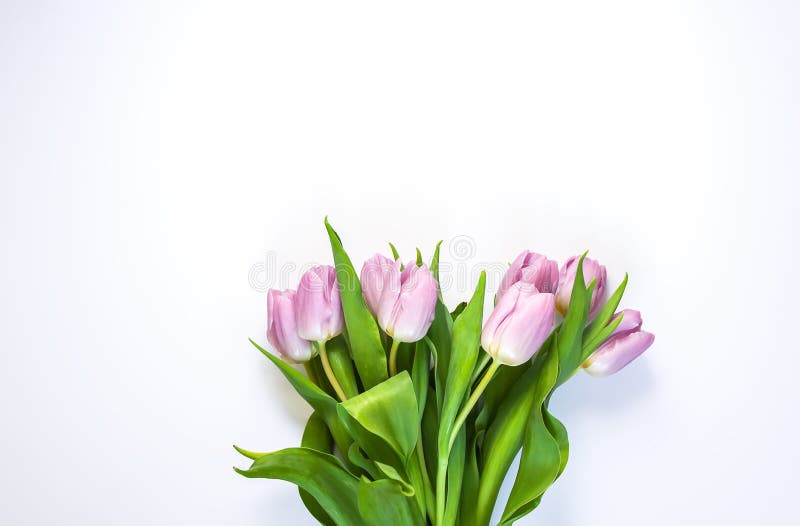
[319, 306]
[532, 269]
[592, 270]
[623, 346]
[519, 324]
[403, 302]
[282, 327]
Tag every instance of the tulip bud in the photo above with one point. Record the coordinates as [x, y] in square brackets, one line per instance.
[282, 327]
[519, 324]
[623, 346]
[318, 305]
[533, 269]
[402, 302]
[592, 270]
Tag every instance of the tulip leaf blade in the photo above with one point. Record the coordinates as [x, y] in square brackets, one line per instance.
[322, 475]
[316, 436]
[606, 313]
[571, 331]
[440, 333]
[466, 346]
[365, 340]
[384, 502]
[318, 399]
[455, 478]
[540, 463]
[395, 254]
[389, 412]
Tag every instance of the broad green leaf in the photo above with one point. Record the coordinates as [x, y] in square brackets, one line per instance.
[605, 314]
[496, 393]
[359, 459]
[322, 475]
[540, 463]
[466, 346]
[318, 399]
[388, 411]
[429, 430]
[316, 436]
[365, 340]
[383, 502]
[571, 331]
[458, 310]
[504, 437]
[559, 433]
[342, 366]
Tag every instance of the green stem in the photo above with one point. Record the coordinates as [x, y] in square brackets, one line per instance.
[326, 365]
[393, 358]
[481, 366]
[444, 456]
[473, 399]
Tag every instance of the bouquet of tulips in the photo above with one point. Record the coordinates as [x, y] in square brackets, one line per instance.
[419, 411]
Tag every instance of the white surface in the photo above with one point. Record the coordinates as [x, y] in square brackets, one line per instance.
[151, 156]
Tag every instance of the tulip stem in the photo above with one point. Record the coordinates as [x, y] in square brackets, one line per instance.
[444, 456]
[481, 366]
[393, 357]
[326, 365]
[473, 399]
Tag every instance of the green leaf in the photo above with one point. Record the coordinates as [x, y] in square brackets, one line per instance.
[383, 502]
[571, 331]
[466, 345]
[541, 456]
[458, 310]
[316, 436]
[395, 254]
[440, 333]
[388, 411]
[607, 312]
[589, 347]
[420, 373]
[342, 366]
[559, 432]
[365, 340]
[504, 437]
[469, 488]
[419, 258]
[322, 475]
[455, 478]
[318, 399]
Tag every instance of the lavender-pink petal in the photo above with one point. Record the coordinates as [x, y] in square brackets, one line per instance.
[318, 305]
[617, 352]
[282, 327]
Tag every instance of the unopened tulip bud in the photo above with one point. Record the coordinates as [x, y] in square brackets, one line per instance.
[282, 327]
[319, 306]
[402, 302]
[519, 324]
[532, 269]
[592, 270]
[624, 345]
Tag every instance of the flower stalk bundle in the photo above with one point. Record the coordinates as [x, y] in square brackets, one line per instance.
[418, 412]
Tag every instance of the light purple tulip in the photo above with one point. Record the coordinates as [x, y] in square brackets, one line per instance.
[402, 302]
[282, 327]
[519, 324]
[624, 345]
[532, 269]
[592, 270]
[319, 306]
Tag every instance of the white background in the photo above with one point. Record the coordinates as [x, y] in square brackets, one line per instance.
[162, 162]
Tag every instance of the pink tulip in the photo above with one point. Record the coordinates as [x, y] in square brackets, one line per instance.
[402, 302]
[592, 270]
[282, 327]
[532, 269]
[519, 324]
[318, 305]
[624, 345]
